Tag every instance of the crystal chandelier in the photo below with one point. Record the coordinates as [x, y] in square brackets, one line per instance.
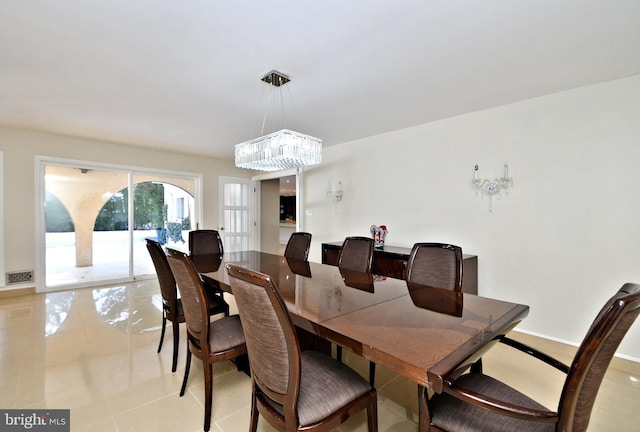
[280, 150]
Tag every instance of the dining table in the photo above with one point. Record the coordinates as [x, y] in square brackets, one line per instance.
[422, 334]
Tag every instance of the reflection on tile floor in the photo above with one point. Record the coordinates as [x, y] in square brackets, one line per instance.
[94, 351]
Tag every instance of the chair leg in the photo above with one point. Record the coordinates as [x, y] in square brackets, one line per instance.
[253, 421]
[176, 344]
[208, 394]
[372, 366]
[164, 325]
[186, 372]
[477, 366]
[372, 414]
[424, 417]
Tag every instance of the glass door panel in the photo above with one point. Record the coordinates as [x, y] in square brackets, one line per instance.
[83, 242]
[164, 208]
[236, 214]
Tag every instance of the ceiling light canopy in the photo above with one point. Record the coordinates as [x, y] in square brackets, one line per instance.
[280, 150]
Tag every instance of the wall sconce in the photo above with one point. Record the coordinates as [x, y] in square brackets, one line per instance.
[493, 187]
[335, 195]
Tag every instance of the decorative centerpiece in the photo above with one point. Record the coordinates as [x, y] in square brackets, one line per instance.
[378, 234]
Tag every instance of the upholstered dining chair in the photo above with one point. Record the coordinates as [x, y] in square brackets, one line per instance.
[298, 246]
[436, 265]
[292, 390]
[172, 309]
[356, 255]
[206, 242]
[210, 341]
[477, 402]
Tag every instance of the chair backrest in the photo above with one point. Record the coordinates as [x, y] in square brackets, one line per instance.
[298, 246]
[272, 344]
[356, 254]
[165, 276]
[205, 242]
[436, 265]
[593, 357]
[194, 301]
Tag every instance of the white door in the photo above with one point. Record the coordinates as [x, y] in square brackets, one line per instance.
[236, 213]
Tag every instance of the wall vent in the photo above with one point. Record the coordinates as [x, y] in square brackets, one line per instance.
[19, 277]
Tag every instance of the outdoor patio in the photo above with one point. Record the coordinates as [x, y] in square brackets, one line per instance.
[110, 257]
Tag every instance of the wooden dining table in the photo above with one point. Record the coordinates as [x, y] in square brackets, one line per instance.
[418, 336]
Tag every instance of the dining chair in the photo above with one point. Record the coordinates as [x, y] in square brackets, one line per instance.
[437, 265]
[206, 242]
[478, 402]
[298, 246]
[172, 308]
[356, 255]
[293, 390]
[210, 341]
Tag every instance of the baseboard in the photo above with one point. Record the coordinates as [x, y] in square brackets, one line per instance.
[17, 292]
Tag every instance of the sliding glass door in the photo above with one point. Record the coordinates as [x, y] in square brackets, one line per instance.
[95, 221]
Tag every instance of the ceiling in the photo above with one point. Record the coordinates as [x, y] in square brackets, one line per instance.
[185, 75]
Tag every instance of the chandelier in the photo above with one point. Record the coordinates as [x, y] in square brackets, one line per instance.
[280, 150]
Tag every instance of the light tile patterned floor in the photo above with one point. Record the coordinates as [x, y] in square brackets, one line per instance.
[94, 351]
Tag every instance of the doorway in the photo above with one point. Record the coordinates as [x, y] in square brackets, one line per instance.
[279, 204]
[288, 196]
[269, 220]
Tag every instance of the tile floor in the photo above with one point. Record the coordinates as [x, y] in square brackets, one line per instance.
[94, 351]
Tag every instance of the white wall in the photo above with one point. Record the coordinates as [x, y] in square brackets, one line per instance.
[565, 238]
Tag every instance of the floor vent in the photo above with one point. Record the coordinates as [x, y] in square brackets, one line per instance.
[19, 277]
